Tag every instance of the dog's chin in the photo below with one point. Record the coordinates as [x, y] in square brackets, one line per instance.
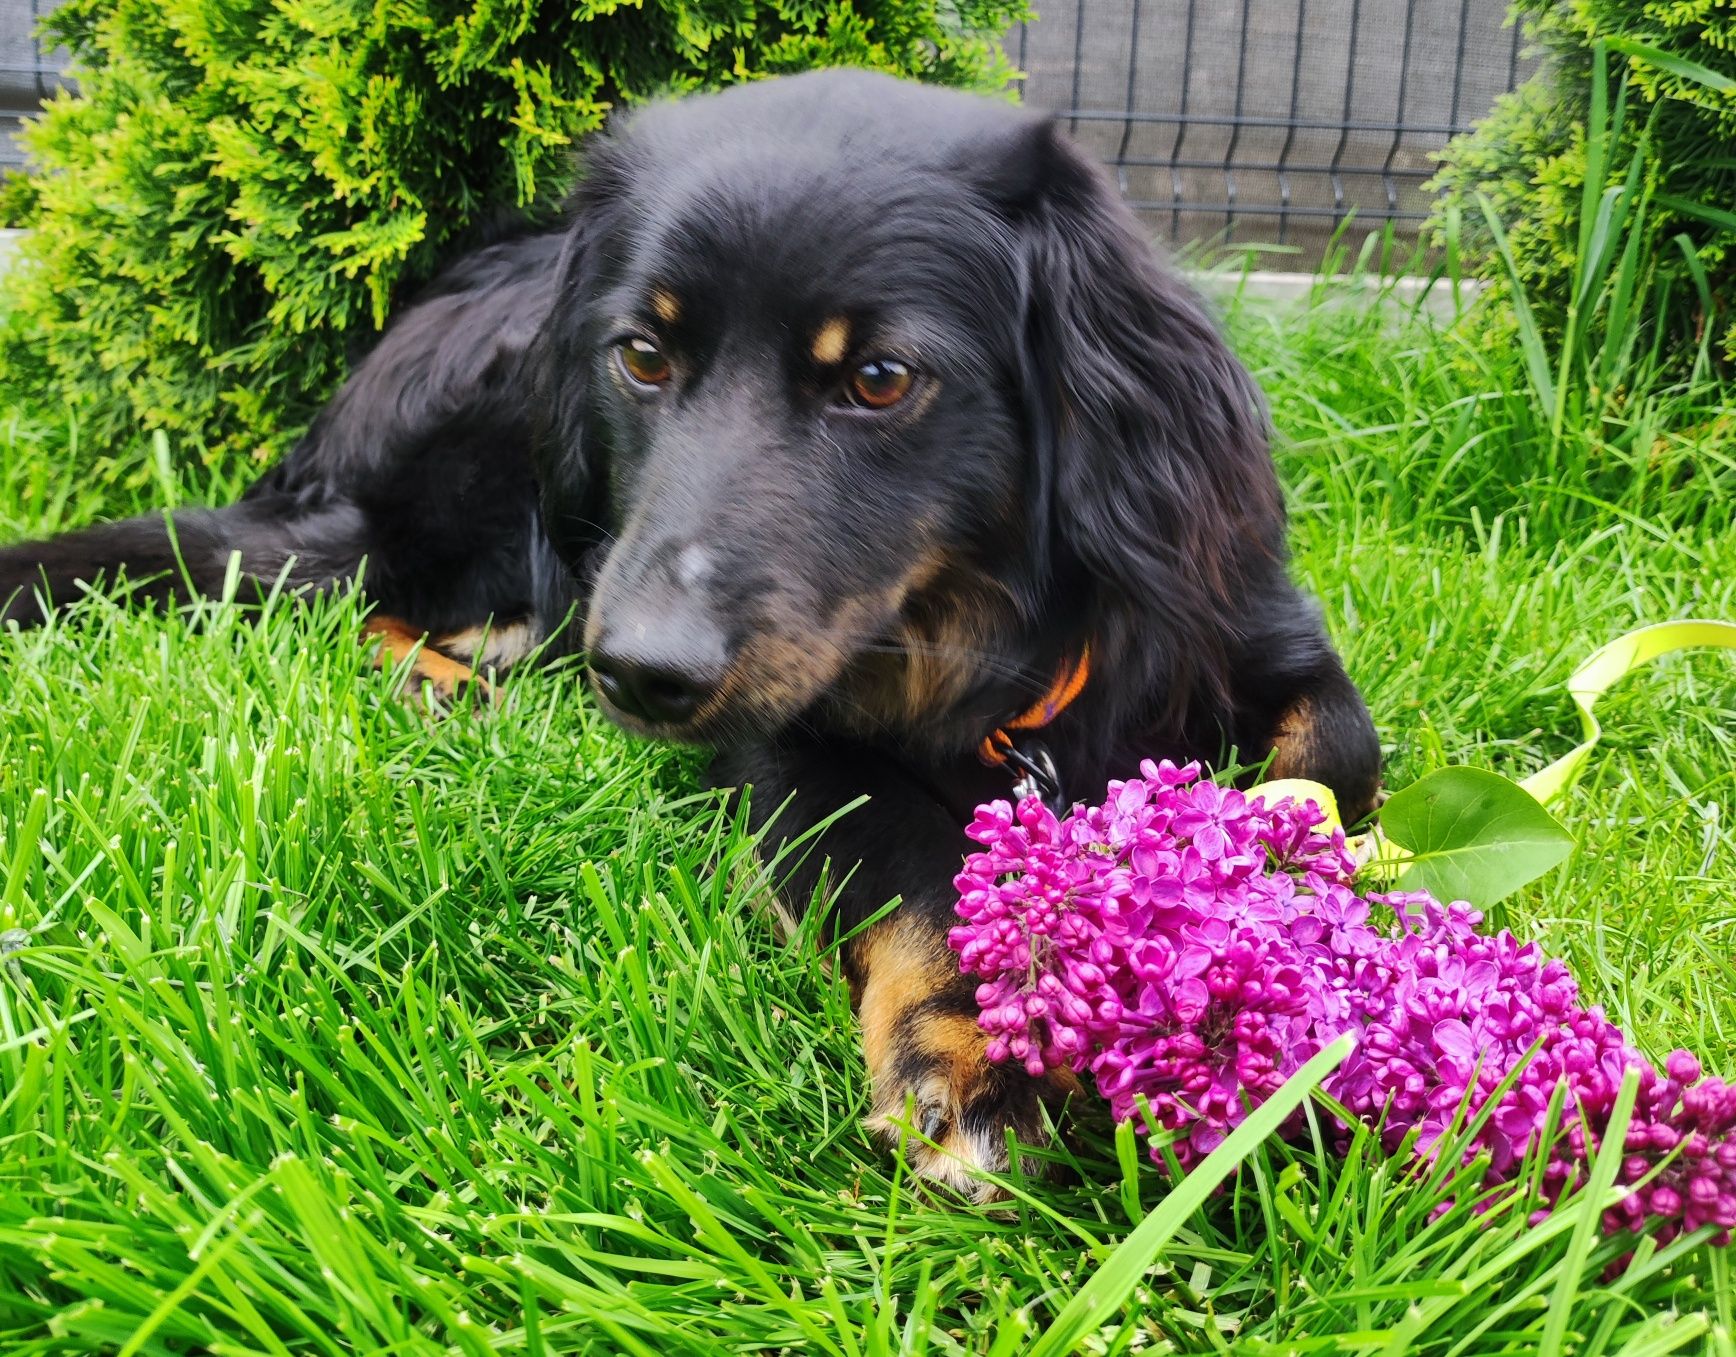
[662, 732]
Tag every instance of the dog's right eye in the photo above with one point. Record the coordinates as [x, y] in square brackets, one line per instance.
[643, 363]
[879, 384]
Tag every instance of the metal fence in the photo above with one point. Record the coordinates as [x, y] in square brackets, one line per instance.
[28, 74]
[1263, 122]
[1270, 121]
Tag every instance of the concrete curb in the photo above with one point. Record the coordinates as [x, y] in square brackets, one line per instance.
[1293, 289]
[1296, 289]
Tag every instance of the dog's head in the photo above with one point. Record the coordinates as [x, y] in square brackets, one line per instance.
[866, 403]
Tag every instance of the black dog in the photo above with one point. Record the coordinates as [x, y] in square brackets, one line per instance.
[861, 428]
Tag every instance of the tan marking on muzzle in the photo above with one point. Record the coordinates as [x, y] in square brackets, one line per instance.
[943, 660]
[796, 656]
[950, 613]
[775, 673]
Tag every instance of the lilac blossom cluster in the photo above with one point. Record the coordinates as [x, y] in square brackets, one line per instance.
[1192, 946]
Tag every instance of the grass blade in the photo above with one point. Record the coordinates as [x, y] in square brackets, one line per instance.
[1113, 1282]
[1589, 1228]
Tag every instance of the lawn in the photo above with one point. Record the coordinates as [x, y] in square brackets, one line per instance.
[329, 1028]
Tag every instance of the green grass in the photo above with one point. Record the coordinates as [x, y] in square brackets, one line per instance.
[327, 1028]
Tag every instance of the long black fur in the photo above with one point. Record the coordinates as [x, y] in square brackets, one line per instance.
[1086, 464]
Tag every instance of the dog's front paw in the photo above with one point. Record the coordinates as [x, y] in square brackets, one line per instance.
[951, 1116]
[934, 1090]
[430, 676]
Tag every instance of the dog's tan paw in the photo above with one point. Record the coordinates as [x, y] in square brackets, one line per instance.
[934, 1090]
[952, 1119]
[430, 675]
[447, 682]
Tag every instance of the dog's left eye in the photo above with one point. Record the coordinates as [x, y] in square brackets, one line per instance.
[643, 362]
[879, 384]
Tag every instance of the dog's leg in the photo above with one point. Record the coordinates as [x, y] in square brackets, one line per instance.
[171, 557]
[452, 663]
[494, 645]
[931, 1086]
[444, 677]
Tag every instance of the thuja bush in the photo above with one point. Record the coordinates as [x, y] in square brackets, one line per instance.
[226, 209]
[1661, 134]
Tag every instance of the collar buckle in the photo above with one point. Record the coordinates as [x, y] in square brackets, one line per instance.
[1037, 775]
[1034, 765]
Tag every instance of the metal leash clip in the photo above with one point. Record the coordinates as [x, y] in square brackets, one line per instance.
[1037, 774]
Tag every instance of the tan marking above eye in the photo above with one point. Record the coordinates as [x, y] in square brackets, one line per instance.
[831, 341]
[666, 305]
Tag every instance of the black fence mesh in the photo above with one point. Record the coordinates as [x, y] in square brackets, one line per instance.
[1254, 122]
[1270, 121]
[28, 73]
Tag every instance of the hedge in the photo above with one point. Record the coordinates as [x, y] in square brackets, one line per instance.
[1675, 62]
[226, 209]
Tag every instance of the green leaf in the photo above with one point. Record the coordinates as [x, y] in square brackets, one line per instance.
[1474, 835]
[1108, 1288]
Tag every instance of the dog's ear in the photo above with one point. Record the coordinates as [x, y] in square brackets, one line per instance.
[571, 482]
[1152, 466]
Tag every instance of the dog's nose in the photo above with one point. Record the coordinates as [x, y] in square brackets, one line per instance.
[652, 692]
[664, 680]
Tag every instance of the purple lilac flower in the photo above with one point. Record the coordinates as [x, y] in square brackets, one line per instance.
[1192, 946]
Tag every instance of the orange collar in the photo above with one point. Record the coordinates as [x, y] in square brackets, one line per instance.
[1069, 683]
